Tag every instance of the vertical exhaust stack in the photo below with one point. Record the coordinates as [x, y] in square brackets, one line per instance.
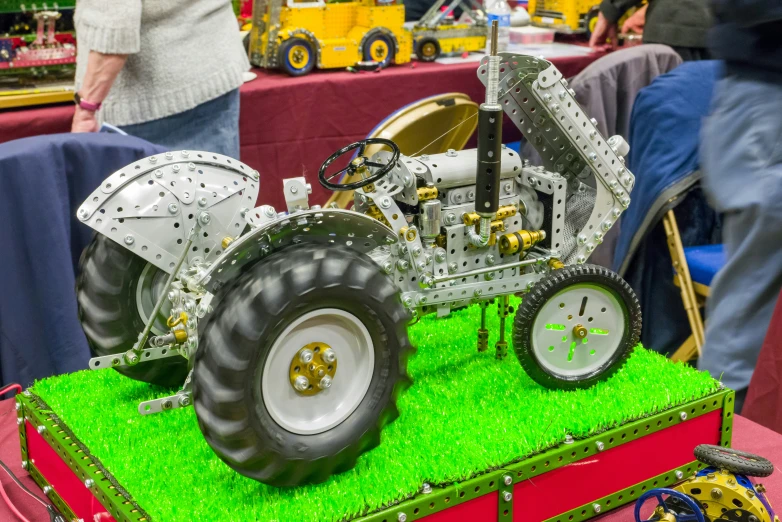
[487, 189]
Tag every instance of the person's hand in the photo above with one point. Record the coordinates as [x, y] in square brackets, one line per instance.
[84, 121]
[636, 22]
[605, 33]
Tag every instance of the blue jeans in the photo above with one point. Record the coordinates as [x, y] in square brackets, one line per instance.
[741, 158]
[212, 127]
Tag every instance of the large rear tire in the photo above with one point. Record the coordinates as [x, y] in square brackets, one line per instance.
[248, 409]
[108, 295]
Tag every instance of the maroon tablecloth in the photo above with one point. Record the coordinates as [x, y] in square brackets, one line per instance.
[290, 125]
[747, 436]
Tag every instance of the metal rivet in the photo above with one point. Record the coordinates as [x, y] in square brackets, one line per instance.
[129, 240]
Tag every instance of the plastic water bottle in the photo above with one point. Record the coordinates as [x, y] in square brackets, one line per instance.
[498, 10]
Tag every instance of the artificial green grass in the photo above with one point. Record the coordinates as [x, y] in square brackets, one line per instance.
[465, 414]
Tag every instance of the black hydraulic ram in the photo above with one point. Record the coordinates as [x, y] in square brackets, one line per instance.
[487, 190]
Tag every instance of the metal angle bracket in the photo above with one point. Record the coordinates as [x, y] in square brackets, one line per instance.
[181, 399]
[118, 359]
[505, 499]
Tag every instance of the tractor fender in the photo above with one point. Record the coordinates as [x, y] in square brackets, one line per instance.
[303, 33]
[323, 226]
[149, 207]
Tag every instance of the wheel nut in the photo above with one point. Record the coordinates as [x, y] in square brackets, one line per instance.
[325, 383]
[507, 496]
[301, 383]
[306, 356]
[329, 356]
[507, 480]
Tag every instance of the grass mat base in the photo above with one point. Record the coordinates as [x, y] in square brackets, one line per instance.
[465, 414]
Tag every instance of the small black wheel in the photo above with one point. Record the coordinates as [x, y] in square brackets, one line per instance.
[577, 326]
[114, 288]
[735, 461]
[297, 56]
[427, 49]
[379, 48]
[305, 314]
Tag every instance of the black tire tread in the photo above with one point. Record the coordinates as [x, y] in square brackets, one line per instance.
[259, 302]
[547, 287]
[105, 292]
[733, 460]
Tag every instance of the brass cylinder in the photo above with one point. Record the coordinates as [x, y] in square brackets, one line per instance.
[523, 240]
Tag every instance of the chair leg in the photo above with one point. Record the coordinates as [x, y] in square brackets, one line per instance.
[682, 274]
[687, 351]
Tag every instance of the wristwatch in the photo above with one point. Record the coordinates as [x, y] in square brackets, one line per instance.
[84, 104]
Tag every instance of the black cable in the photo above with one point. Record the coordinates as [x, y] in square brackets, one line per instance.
[54, 514]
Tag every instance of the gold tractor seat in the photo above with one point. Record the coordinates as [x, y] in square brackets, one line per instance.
[431, 125]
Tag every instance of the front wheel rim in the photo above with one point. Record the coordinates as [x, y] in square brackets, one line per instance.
[578, 331]
[150, 285]
[354, 348]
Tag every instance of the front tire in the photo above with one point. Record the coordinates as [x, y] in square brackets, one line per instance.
[110, 291]
[576, 327]
[379, 49]
[243, 379]
[427, 49]
[297, 56]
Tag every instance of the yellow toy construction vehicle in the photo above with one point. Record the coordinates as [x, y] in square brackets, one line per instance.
[433, 34]
[297, 36]
[567, 16]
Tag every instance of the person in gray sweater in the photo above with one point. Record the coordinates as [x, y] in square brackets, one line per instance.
[167, 71]
[680, 24]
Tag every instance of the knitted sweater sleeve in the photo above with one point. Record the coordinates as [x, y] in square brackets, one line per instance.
[110, 26]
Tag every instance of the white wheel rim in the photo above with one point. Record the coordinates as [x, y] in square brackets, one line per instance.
[309, 415]
[150, 283]
[554, 341]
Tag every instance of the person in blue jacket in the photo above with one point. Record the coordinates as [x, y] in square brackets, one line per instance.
[741, 160]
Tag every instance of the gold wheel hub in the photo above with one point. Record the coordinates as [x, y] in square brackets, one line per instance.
[579, 331]
[313, 368]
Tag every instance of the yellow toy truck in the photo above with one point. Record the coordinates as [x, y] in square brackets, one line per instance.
[567, 16]
[297, 36]
[434, 34]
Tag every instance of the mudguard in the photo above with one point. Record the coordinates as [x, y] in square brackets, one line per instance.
[150, 206]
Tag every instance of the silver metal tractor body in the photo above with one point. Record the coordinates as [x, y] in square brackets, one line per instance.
[437, 235]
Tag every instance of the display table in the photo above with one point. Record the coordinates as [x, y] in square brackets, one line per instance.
[290, 125]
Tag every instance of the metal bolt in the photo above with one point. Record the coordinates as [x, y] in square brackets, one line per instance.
[477, 292]
[547, 97]
[172, 208]
[452, 268]
[421, 266]
[490, 259]
[426, 489]
[152, 159]
[388, 267]
[562, 95]
[132, 358]
[84, 213]
[582, 239]
[18, 406]
[204, 218]
[19, 421]
[47, 490]
[129, 239]
[175, 168]
[269, 211]
[508, 187]
[244, 211]
[716, 494]
[184, 400]
[385, 202]
[593, 156]
[41, 428]
[416, 251]
[530, 285]
[169, 155]
[451, 153]
[191, 166]
[325, 383]
[507, 496]
[711, 476]
[167, 404]
[600, 446]
[294, 190]
[329, 356]
[507, 480]
[597, 508]
[470, 195]
[592, 134]
[616, 212]
[89, 483]
[607, 224]
[202, 201]
[683, 415]
[185, 154]
[402, 265]
[158, 173]
[301, 383]
[439, 255]
[593, 121]
[407, 301]
[679, 474]
[457, 198]
[401, 517]
[598, 235]
[25, 464]
[450, 218]
[581, 259]
[306, 356]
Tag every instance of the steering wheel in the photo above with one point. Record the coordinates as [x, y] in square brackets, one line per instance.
[359, 165]
[683, 500]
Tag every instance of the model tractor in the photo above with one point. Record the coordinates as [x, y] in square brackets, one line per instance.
[568, 16]
[288, 327]
[433, 34]
[297, 36]
[723, 491]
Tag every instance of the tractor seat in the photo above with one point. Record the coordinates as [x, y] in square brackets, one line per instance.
[704, 262]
